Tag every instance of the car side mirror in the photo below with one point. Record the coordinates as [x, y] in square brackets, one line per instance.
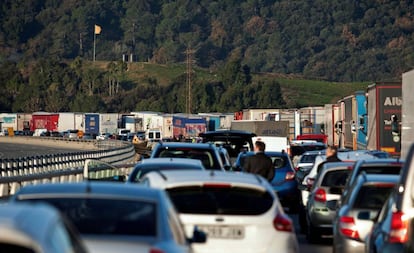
[228, 167]
[198, 236]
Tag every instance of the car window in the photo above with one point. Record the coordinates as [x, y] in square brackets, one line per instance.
[218, 200]
[8, 247]
[108, 216]
[279, 161]
[372, 197]
[205, 156]
[141, 171]
[335, 178]
[308, 158]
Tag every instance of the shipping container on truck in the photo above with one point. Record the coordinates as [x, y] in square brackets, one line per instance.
[291, 115]
[108, 123]
[23, 121]
[407, 119]
[92, 123]
[9, 120]
[384, 102]
[330, 126]
[262, 128]
[67, 121]
[361, 119]
[188, 127]
[44, 120]
[347, 105]
[312, 119]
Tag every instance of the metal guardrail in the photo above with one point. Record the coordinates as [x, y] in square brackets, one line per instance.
[63, 167]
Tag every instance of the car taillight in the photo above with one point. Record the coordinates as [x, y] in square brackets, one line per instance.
[347, 227]
[283, 223]
[156, 250]
[399, 228]
[290, 176]
[320, 195]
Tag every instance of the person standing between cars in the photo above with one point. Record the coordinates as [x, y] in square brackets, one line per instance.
[260, 163]
[331, 156]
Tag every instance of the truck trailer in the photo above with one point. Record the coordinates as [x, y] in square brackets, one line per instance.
[384, 105]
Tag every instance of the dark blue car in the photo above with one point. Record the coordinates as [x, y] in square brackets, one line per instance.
[284, 182]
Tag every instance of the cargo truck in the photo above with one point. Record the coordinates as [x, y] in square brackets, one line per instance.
[384, 105]
[407, 118]
[262, 128]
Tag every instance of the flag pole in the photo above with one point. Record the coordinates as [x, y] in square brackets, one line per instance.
[94, 43]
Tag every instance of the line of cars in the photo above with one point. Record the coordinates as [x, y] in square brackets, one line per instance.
[208, 207]
[358, 202]
[202, 206]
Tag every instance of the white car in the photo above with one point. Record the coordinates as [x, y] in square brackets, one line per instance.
[239, 212]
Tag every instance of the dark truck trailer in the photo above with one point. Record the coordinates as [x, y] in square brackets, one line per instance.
[92, 124]
[384, 103]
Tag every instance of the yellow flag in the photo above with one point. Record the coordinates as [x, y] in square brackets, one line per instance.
[97, 29]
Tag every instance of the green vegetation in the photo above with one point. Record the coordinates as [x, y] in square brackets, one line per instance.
[245, 53]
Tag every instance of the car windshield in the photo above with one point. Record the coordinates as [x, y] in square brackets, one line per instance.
[335, 178]
[372, 197]
[205, 156]
[220, 200]
[108, 216]
[308, 158]
[140, 171]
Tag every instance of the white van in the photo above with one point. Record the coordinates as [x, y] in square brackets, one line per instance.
[273, 143]
[39, 131]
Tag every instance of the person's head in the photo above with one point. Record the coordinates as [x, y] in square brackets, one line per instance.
[331, 151]
[259, 146]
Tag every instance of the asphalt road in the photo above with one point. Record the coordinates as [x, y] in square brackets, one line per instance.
[15, 150]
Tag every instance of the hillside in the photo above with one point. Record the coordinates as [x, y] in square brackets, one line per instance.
[342, 41]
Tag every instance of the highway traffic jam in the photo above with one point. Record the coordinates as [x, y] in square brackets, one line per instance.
[202, 197]
[264, 181]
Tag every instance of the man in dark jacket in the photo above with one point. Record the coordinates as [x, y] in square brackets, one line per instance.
[331, 156]
[260, 163]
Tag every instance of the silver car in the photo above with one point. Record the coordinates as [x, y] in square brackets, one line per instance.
[36, 228]
[354, 219]
[322, 201]
[114, 217]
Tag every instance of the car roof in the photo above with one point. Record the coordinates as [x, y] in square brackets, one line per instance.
[91, 188]
[314, 152]
[185, 144]
[169, 160]
[170, 179]
[379, 178]
[26, 224]
[381, 161]
[249, 153]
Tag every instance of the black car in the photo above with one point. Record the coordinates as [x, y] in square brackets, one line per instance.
[234, 141]
[207, 153]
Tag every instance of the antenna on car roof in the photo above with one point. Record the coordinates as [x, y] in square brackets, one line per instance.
[162, 175]
[212, 174]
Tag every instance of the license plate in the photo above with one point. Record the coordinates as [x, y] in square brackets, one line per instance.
[225, 232]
